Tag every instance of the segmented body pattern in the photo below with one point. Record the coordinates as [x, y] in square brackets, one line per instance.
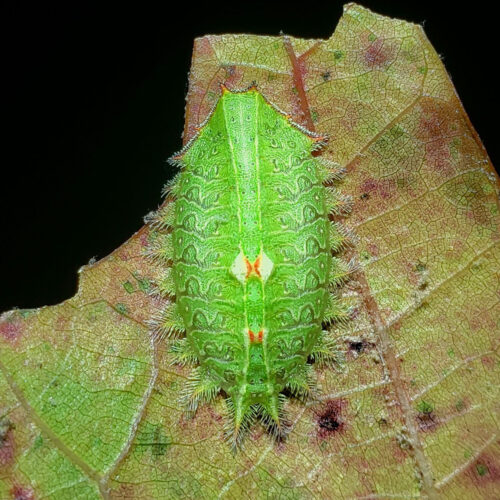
[252, 268]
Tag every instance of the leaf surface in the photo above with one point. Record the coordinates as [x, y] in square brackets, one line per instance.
[88, 403]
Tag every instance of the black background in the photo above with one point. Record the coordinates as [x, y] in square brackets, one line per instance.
[95, 104]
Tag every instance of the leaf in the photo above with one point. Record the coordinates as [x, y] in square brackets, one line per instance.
[89, 402]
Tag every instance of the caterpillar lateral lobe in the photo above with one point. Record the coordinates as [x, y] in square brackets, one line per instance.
[246, 246]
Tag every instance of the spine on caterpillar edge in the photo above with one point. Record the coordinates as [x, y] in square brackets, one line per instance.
[249, 262]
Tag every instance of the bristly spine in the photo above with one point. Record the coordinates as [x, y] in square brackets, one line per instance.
[245, 245]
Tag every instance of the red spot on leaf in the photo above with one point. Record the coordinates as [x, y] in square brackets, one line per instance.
[351, 117]
[377, 54]
[124, 491]
[232, 75]
[214, 415]
[488, 362]
[427, 423]
[399, 454]
[203, 47]
[486, 469]
[480, 319]
[397, 325]
[11, 330]
[369, 185]
[22, 493]
[435, 120]
[427, 420]
[384, 188]
[124, 256]
[438, 156]
[437, 127]
[354, 164]
[373, 249]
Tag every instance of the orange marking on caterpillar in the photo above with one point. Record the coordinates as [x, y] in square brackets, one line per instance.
[253, 337]
[249, 267]
[253, 268]
[256, 266]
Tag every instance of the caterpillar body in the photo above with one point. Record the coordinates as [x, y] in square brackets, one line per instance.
[247, 242]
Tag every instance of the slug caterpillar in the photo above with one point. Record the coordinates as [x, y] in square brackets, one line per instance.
[247, 255]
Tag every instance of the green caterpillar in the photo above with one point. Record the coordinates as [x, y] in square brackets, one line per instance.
[250, 243]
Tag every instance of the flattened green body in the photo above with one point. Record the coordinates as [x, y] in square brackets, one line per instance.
[251, 252]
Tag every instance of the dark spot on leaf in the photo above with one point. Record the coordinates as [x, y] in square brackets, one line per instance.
[421, 304]
[427, 422]
[423, 285]
[6, 441]
[382, 422]
[365, 196]
[426, 418]
[356, 346]
[419, 275]
[331, 419]
[365, 255]
[329, 423]
[5, 426]
[326, 76]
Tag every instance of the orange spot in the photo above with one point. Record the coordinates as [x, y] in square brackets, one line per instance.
[256, 266]
[253, 338]
[249, 267]
[253, 268]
